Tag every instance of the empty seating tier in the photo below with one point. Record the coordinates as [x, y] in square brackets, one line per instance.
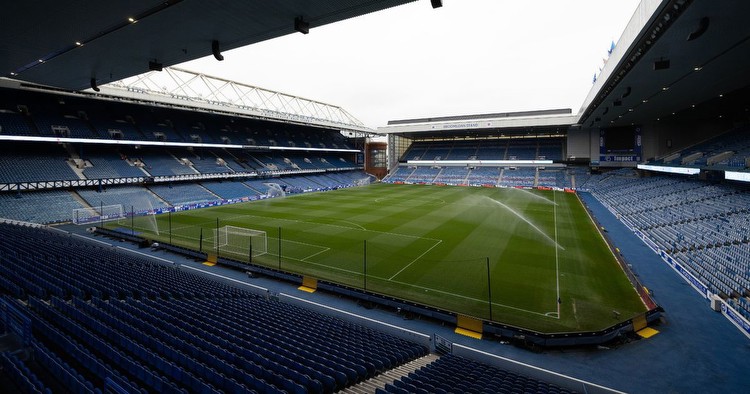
[454, 374]
[702, 225]
[101, 318]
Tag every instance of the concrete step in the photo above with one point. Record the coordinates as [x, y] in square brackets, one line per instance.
[379, 381]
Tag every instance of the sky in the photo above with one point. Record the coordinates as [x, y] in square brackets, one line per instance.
[412, 61]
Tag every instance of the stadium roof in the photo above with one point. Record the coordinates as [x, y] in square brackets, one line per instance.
[543, 121]
[175, 86]
[679, 59]
[673, 56]
[66, 44]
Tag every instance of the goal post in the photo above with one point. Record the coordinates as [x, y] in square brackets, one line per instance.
[97, 213]
[240, 243]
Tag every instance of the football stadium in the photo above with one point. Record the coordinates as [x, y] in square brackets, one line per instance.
[166, 230]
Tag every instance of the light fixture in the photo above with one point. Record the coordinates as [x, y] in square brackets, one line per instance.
[94, 85]
[13, 74]
[131, 20]
[645, 100]
[78, 43]
[697, 68]
[665, 88]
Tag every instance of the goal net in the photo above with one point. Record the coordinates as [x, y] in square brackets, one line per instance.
[363, 181]
[240, 243]
[97, 213]
[275, 190]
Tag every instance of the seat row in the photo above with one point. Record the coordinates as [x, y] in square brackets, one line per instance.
[455, 374]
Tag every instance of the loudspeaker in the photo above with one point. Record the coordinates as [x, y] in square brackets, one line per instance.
[702, 27]
[301, 25]
[661, 64]
[216, 51]
[93, 85]
[155, 66]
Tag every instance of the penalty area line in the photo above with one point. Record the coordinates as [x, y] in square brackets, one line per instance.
[415, 260]
[315, 254]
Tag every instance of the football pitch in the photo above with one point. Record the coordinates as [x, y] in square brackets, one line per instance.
[535, 254]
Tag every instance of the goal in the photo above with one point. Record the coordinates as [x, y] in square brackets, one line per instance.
[240, 242]
[275, 190]
[363, 181]
[97, 213]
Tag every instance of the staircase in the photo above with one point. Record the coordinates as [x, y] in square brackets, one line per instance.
[379, 381]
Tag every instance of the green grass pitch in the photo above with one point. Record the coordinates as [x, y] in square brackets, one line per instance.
[432, 245]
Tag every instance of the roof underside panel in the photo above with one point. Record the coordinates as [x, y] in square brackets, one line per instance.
[41, 46]
[672, 63]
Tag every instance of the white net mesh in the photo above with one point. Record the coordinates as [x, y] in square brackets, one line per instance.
[240, 242]
[98, 213]
[275, 190]
[363, 181]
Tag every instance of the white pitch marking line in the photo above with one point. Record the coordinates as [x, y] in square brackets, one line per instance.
[353, 224]
[315, 254]
[411, 284]
[344, 227]
[418, 257]
[422, 200]
[330, 267]
[464, 297]
[557, 260]
[321, 224]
